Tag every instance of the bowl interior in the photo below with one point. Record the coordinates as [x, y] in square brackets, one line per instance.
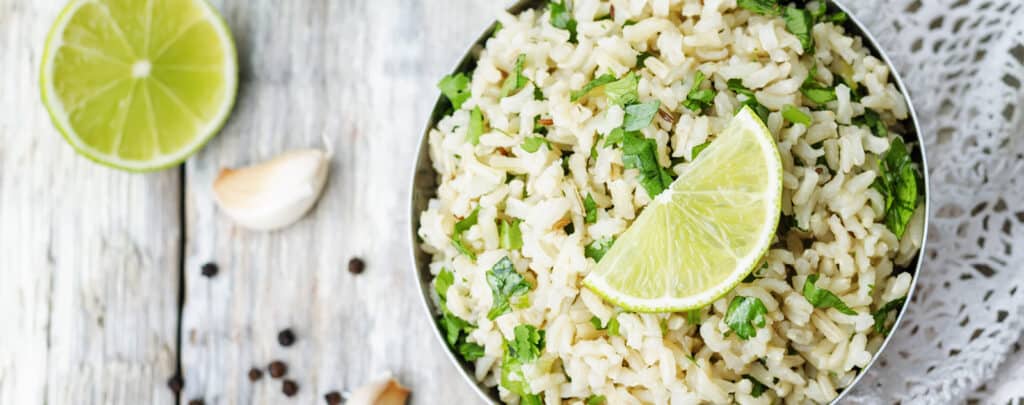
[424, 184]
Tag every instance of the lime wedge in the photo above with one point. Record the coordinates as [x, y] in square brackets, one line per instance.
[703, 235]
[139, 85]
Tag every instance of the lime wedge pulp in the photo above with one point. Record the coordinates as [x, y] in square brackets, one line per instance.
[703, 235]
[139, 84]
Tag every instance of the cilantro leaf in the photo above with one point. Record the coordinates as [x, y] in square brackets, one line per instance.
[639, 116]
[442, 282]
[874, 122]
[593, 84]
[641, 153]
[515, 80]
[461, 227]
[453, 327]
[527, 344]
[698, 149]
[698, 99]
[525, 347]
[822, 298]
[745, 315]
[596, 400]
[765, 7]
[693, 317]
[507, 287]
[795, 115]
[615, 137]
[897, 182]
[476, 126]
[456, 88]
[596, 249]
[799, 23]
[509, 235]
[561, 18]
[641, 58]
[590, 206]
[623, 91]
[532, 143]
[612, 326]
[817, 92]
[882, 314]
[749, 100]
[758, 389]
[471, 351]
[838, 18]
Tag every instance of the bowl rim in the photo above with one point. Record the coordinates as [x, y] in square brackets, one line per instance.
[423, 172]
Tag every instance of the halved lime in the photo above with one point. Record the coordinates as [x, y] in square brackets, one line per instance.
[703, 235]
[139, 84]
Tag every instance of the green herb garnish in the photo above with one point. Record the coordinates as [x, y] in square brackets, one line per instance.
[612, 326]
[476, 126]
[749, 100]
[593, 84]
[590, 207]
[532, 143]
[745, 315]
[623, 91]
[693, 317]
[461, 227]
[615, 137]
[510, 237]
[697, 99]
[897, 182]
[561, 18]
[698, 149]
[456, 88]
[525, 347]
[508, 287]
[882, 314]
[456, 330]
[817, 92]
[757, 388]
[596, 249]
[640, 115]
[822, 298]
[641, 153]
[515, 80]
[799, 22]
[766, 7]
[595, 400]
[874, 122]
[795, 115]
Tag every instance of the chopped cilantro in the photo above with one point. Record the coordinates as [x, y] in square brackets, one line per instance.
[461, 227]
[882, 314]
[822, 298]
[612, 326]
[795, 115]
[476, 126]
[874, 122]
[593, 84]
[596, 400]
[766, 7]
[817, 92]
[515, 80]
[757, 388]
[897, 182]
[527, 344]
[838, 18]
[532, 143]
[641, 58]
[525, 347]
[628, 23]
[596, 249]
[471, 351]
[623, 91]
[799, 23]
[509, 235]
[693, 317]
[749, 100]
[641, 153]
[745, 315]
[456, 88]
[561, 18]
[590, 206]
[698, 99]
[508, 287]
[639, 116]
[698, 149]
[615, 137]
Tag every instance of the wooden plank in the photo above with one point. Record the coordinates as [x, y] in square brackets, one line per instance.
[364, 74]
[89, 266]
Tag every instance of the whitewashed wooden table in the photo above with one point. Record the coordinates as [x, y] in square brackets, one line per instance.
[101, 296]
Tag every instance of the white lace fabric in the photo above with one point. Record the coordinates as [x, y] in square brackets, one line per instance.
[963, 62]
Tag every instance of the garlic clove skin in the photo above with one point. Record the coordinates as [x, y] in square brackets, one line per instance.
[383, 392]
[275, 193]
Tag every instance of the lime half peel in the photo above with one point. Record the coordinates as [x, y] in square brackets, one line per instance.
[79, 72]
[700, 238]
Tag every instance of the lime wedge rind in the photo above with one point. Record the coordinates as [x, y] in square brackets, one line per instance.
[59, 114]
[599, 283]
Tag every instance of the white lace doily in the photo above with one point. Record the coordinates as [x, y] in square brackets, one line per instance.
[963, 62]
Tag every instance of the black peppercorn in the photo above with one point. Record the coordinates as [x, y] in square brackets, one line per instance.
[278, 369]
[255, 374]
[175, 383]
[289, 387]
[209, 269]
[332, 398]
[286, 337]
[356, 265]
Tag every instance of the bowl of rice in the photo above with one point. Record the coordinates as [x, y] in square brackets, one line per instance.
[516, 188]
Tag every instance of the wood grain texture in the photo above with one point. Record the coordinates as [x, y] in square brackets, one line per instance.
[363, 73]
[89, 256]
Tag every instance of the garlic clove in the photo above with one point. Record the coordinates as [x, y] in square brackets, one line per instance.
[383, 392]
[275, 193]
